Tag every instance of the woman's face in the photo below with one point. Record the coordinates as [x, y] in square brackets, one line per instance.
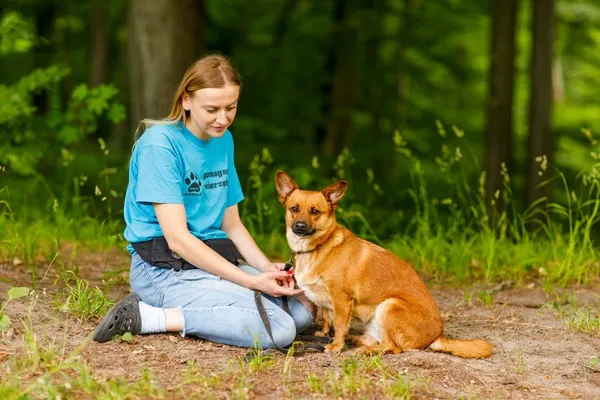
[211, 110]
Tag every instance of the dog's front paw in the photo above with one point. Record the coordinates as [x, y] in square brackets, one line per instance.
[333, 348]
[322, 333]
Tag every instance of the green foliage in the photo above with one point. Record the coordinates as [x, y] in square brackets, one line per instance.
[84, 110]
[30, 133]
[17, 35]
[21, 148]
[127, 337]
[13, 293]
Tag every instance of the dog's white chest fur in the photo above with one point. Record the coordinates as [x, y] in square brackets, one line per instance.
[314, 288]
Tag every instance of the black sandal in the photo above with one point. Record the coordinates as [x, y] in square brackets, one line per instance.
[122, 317]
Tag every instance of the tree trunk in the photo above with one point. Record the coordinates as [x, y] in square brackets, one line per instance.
[374, 84]
[408, 16]
[134, 75]
[498, 133]
[164, 39]
[329, 68]
[100, 23]
[342, 97]
[540, 143]
[44, 23]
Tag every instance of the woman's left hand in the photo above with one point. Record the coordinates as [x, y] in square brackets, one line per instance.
[289, 282]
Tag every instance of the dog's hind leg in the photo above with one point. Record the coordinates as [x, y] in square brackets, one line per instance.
[377, 338]
[365, 340]
[383, 348]
[408, 329]
[389, 343]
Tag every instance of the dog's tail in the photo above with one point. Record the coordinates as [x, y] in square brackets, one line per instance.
[462, 348]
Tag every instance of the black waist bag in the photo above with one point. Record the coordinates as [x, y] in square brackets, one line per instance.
[157, 252]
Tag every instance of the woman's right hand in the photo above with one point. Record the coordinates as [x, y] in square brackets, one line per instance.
[274, 283]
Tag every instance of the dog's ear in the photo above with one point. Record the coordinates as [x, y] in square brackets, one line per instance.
[285, 185]
[334, 192]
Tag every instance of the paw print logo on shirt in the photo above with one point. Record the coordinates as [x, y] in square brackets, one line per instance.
[193, 184]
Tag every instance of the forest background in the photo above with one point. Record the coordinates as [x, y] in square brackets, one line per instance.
[465, 128]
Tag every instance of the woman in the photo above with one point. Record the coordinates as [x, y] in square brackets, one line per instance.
[180, 212]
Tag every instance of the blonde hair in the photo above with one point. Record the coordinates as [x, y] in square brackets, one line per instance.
[211, 71]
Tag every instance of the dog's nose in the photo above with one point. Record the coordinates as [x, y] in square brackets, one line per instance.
[299, 226]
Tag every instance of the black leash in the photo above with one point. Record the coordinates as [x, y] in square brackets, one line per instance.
[298, 350]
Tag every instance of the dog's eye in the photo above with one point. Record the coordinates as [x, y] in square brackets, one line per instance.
[314, 211]
[294, 208]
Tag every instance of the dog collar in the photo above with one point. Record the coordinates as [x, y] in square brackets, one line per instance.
[292, 261]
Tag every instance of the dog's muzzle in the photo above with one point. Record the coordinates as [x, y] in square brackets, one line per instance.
[300, 228]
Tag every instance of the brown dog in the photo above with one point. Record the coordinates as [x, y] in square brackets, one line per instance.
[351, 277]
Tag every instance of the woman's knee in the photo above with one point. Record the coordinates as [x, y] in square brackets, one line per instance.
[304, 320]
[284, 332]
[303, 317]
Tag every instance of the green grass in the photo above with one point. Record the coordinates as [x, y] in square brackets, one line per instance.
[80, 299]
[49, 372]
[585, 321]
[578, 318]
[486, 298]
[357, 376]
[43, 365]
[258, 359]
[75, 380]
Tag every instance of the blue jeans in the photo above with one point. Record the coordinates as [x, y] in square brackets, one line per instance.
[216, 309]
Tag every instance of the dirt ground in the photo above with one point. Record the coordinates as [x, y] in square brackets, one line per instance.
[536, 354]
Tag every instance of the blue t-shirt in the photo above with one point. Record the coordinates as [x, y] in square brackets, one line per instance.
[171, 165]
